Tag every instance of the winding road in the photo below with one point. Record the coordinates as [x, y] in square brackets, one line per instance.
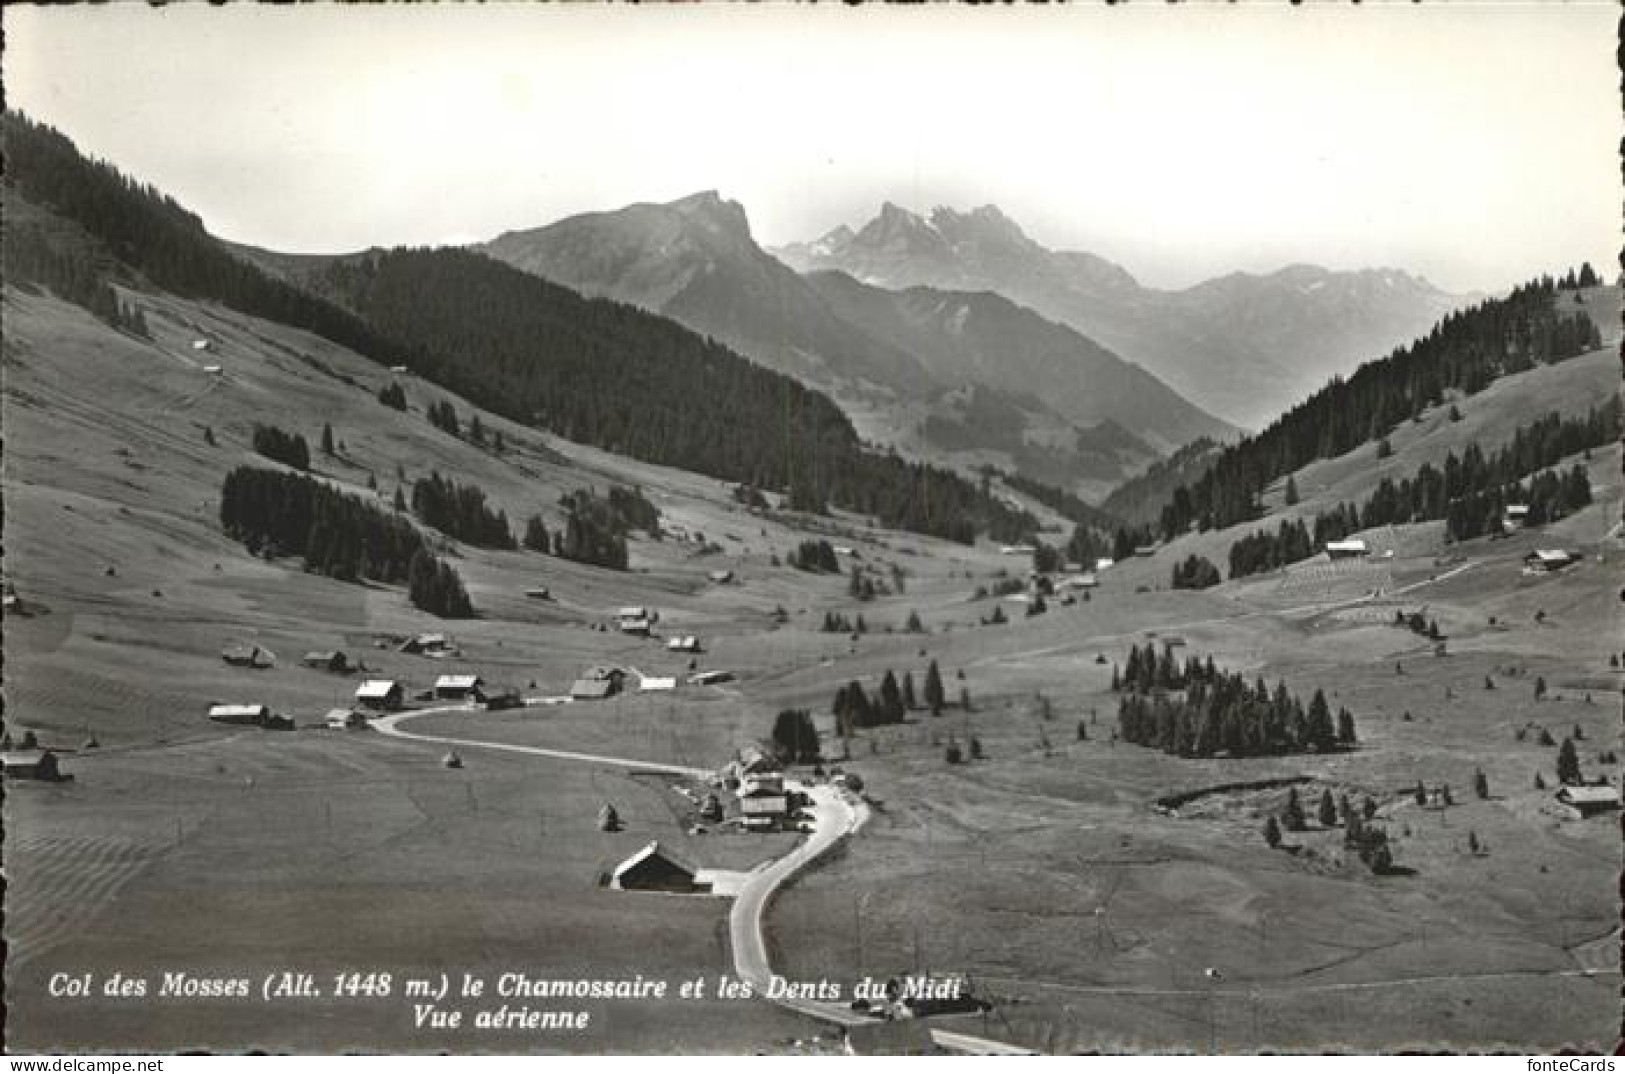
[835, 815]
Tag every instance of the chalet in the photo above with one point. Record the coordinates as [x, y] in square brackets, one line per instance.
[428, 645]
[255, 715]
[344, 719]
[1086, 580]
[248, 656]
[769, 782]
[36, 764]
[326, 660]
[1145, 551]
[397, 369]
[598, 683]
[213, 370]
[1589, 801]
[1515, 516]
[1547, 560]
[539, 593]
[764, 808]
[655, 868]
[637, 611]
[201, 345]
[1103, 564]
[721, 577]
[657, 682]
[710, 678]
[684, 643]
[1353, 548]
[380, 695]
[507, 699]
[1017, 550]
[639, 627]
[459, 688]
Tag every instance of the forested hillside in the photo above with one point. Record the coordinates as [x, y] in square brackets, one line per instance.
[1461, 356]
[595, 371]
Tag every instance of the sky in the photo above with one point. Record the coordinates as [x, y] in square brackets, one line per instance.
[1473, 143]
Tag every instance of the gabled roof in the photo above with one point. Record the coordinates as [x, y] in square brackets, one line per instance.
[654, 850]
[590, 688]
[604, 671]
[1353, 544]
[1599, 795]
[217, 711]
[24, 758]
[457, 682]
[377, 688]
[1551, 555]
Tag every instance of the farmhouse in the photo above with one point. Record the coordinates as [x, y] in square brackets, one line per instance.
[636, 619]
[248, 656]
[710, 678]
[539, 593]
[256, 715]
[1589, 801]
[344, 719]
[657, 682]
[380, 695]
[1547, 560]
[763, 808]
[598, 683]
[32, 764]
[1352, 548]
[326, 660]
[654, 868]
[766, 782]
[722, 577]
[428, 645]
[1515, 516]
[684, 643]
[459, 688]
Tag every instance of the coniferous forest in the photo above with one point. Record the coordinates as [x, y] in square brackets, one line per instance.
[1198, 710]
[460, 511]
[595, 371]
[1470, 492]
[1464, 353]
[339, 535]
[281, 514]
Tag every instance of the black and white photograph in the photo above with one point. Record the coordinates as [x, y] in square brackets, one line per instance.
[728, 530]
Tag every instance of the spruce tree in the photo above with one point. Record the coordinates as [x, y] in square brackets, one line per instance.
[934, 697]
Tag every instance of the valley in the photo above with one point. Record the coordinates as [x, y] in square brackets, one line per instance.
[1041, 868]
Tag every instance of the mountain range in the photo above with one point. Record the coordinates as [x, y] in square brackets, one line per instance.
[965, 375]
[1242, 346]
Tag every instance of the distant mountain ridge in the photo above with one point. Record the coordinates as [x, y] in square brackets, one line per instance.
[1242, 346]
[903, 359]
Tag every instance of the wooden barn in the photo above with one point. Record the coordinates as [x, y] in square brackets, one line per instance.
[459, 688]
[1589, 801]
[380, 695]
[255, 715]
[326, 660]
[36, 764]
[655, 868]
[598, 683]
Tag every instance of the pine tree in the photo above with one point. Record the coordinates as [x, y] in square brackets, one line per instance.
[934, 697]
[1327, 813]
[327, 439]
[1272, 833]
[1292, 818]
[909, 701]
[1481, 784]
[1568, 763]
[1291, 492]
